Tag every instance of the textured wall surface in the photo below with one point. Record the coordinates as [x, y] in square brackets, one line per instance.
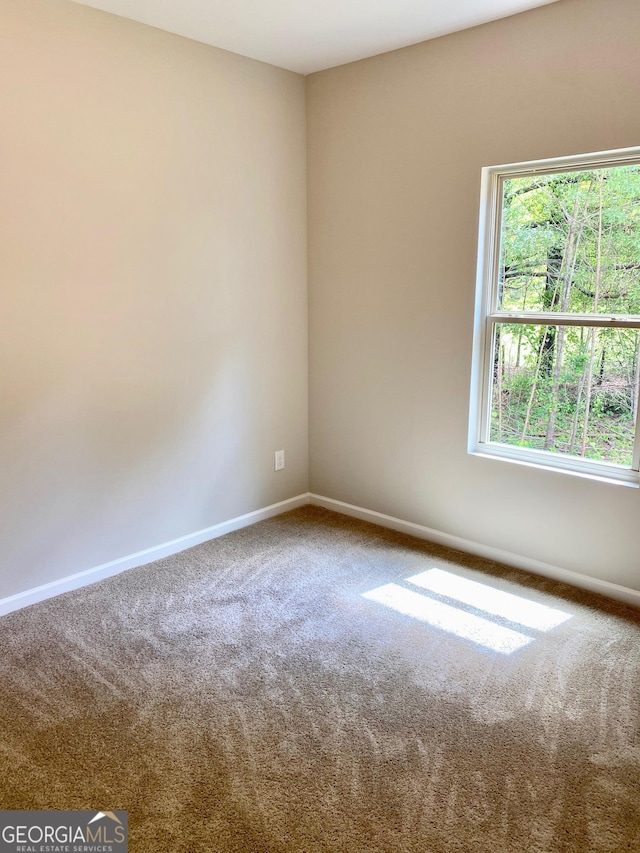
[396, 147]
[153, 351]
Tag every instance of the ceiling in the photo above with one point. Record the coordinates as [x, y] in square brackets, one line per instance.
[310, 35]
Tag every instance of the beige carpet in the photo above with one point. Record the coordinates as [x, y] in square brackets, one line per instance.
[245, 696]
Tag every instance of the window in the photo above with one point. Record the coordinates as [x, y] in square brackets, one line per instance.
[556, 362]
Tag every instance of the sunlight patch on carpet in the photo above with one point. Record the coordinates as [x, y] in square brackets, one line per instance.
[451, 619]
[491, 600]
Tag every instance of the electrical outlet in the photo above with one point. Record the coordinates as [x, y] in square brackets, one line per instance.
[279, 460]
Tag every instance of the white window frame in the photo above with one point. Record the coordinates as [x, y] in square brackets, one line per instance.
[486, 319]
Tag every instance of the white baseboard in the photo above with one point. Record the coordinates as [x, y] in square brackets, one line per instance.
[602, 587]
[149, 555]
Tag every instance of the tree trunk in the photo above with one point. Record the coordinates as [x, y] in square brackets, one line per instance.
[570, 257]
[550, 297]
[594, 337]
[576, 414]
[499, 389]
[601, 371]
[534, 386]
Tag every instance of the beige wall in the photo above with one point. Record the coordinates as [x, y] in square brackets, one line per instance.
[396, 145]
[153, 346]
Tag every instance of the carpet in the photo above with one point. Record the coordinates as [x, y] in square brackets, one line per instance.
[316, 683]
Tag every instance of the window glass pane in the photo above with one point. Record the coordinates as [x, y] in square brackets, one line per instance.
[571, 242]
[566, 389]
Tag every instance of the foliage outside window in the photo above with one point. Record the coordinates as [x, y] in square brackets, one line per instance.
[557, 337]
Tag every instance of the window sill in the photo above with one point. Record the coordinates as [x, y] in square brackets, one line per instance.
[587, 469]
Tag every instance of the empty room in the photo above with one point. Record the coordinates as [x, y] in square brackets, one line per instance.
[319, 428]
